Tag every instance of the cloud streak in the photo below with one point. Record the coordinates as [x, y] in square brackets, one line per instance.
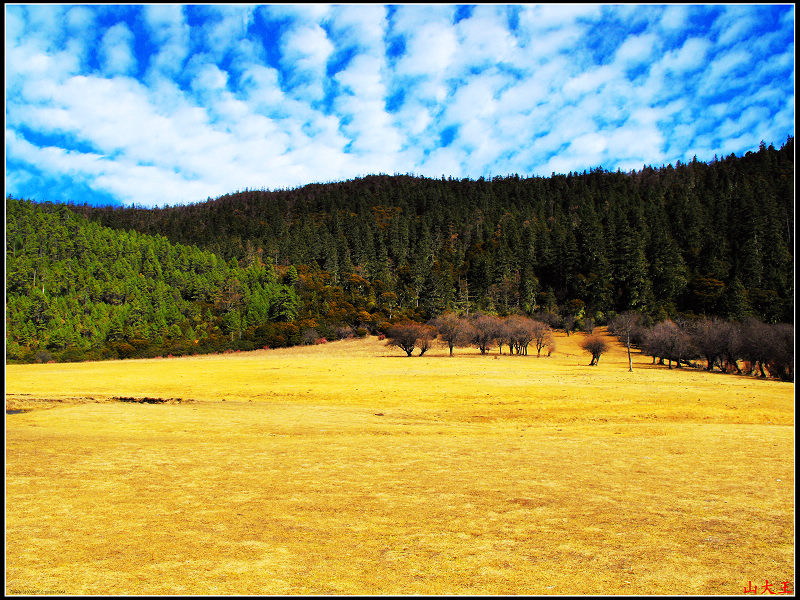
[156, 104]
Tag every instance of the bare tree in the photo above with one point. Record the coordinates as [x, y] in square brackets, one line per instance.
[668, 341]
[542, 335]
[624, 326]
[425, 337]
[710, 338]
[595, 345]
[756, 342]
[781, 360]
[769, 348]
[519, 332]
[733, 348]
[683, 348]
[654, 344]
[453, 330]
[568, 323]
[766, 349]
[504, 334]
[484, 331]
[404, 335]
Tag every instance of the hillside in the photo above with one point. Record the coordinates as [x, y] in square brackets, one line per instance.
[76, 290]
[256, 269]
[694, 238]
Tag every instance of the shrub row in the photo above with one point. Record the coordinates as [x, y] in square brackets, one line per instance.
[764, 349]
[517, 332]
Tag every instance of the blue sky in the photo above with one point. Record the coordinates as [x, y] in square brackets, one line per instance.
[168, 104]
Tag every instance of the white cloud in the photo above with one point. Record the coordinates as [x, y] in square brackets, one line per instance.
[429, 51]
[44, 27]
[15, 25]
[227, 28]
[362, 25]
[734, 23]
[691, 55]
[674, 17]
[306, 12]
[484, 38]
[363, 77]
[53, 158]
[635, 50]
[589, 81]
[474, 99]
[115, 48]
[209, 78]
[260, 86]
[170, 33]
[728, 62]
[548, 16]
[441, 161]
[522, 96]
[305, 53]
[80, 23]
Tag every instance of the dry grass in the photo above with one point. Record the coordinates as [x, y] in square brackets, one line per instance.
[349, 468]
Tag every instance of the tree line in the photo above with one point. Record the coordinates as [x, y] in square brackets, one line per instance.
[746, 348]
[484, 331]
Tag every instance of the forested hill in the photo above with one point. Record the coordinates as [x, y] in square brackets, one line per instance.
[76, 290]
[699, 238]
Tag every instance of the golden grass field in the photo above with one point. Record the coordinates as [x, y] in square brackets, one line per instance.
[349, 468]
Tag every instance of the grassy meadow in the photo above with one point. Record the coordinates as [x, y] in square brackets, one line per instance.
[349, 468]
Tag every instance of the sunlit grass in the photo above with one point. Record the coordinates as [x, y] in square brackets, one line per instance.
[350, 468]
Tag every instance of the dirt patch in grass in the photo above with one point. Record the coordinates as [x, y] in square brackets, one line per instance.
[147, 400]
[23, 403]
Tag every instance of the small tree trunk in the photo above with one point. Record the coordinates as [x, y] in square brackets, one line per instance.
[630, 361]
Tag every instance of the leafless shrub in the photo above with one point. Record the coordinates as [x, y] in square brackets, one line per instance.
[344, 331]
[410, 334]
[756, 345]
[710, 337]
[668, 341]
[485, 331]
[595, 345]
[542, 335]
[425, 337]
[519, 332]
[781, 360]
[453, 330]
